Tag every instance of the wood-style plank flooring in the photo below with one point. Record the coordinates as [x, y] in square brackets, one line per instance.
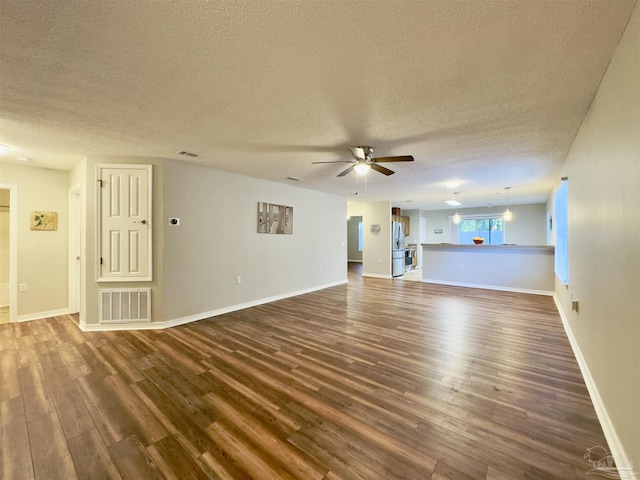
[377, 379]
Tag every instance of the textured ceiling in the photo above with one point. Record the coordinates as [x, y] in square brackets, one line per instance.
[490, 93]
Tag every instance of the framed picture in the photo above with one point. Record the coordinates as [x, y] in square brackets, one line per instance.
[42, 220]
[276, 219]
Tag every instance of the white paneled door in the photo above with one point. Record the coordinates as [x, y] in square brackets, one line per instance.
[125, 223]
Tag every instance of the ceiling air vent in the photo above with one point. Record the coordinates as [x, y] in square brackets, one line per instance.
[187, 154]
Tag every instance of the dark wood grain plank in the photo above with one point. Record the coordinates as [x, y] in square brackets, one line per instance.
[377, 379]
[148, 428]
[133, 460]
[49, 449]
[174, 461]
[70, 407]
[262, 435]
[91, 457]
[15, 454]
[108, 413]
[9, 378]
[37, 398]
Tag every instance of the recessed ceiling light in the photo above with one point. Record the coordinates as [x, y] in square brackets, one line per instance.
[22, 159]
[4, 149]
[452, 184]
[453, 203]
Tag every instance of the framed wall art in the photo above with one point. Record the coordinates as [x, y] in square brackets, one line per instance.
[274, 218]
[41, 220]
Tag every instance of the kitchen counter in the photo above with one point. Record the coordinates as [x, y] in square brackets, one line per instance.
[513, 246]
[519, 268]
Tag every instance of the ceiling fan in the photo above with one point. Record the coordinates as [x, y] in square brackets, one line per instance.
[362, 161]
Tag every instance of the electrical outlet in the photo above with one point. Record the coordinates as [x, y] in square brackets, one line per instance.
[320, 267]
[23, 287]
[238, 280]
[574, 306]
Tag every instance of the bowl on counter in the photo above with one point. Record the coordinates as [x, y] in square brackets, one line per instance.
[478, 240]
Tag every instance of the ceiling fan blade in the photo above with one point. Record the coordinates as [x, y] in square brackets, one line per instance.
[381, 169]
[335, 161]
[402, 158]
[343, 173]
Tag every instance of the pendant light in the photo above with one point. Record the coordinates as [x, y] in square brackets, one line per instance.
[507, 216]
[456, 217]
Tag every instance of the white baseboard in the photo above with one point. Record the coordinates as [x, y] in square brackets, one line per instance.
[500, 288]
[96, 327]
[376, 275]
[615, 446]
[37, 316]
[354, 261]
[203, 315]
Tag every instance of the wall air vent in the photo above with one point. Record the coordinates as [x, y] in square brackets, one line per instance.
[187, 154]
[120, 305]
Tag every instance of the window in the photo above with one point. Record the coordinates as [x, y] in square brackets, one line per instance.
[491, 228]
[359, 236]
[561, 226]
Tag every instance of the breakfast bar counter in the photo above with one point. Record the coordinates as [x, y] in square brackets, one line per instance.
[519, 268]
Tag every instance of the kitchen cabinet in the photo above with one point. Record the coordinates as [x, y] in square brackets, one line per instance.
[404, 220]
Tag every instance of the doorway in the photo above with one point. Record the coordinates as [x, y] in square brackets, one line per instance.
[354, 244]
[8, 243]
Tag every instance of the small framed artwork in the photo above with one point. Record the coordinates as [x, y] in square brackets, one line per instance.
[274, 218]
[41, 220]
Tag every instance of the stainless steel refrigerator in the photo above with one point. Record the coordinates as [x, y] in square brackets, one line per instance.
[397, 249]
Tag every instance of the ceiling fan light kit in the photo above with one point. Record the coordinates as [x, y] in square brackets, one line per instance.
[362, 168]
[363, 161]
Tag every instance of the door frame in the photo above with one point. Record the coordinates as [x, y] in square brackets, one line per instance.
[75, 250]
[13, 249]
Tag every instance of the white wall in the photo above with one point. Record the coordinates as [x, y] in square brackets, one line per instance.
[528, 226]
[196, 264]
[376, 252]
[42, 255]
[603, 167]
[217, 241]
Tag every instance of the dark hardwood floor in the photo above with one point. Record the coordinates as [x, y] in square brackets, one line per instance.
[377, 379]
